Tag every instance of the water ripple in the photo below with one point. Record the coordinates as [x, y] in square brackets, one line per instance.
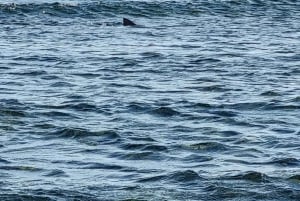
[200, 101]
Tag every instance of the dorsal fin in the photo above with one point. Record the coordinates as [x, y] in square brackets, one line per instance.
[127, 22]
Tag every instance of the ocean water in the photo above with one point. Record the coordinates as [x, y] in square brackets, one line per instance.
[199, 101]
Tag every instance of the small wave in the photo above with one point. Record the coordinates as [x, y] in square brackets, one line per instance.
[152, 179]
[118, 85]
[204, 105]
[152, 55]
[50, 77]
[194, 158]
[73, 106]
[87, 75]
[177, 176]
[243, 122]
[205, 61]
[21, 168]
[184, 176]
[56, 173]
[45, 126]
[62, 84]
[244, 106]
[57, 114]
[12, 113]
[6, 128]
[250, 176]
[285, 162]
[137, 107]
[165, 111]
[208, 146]
[227, 192]
[133, 146]
[283, 107]
[89, 165]
[24, 197]
[147, 8]
[81, 133]
[31, 73]
[144, 147]
[12, 108]
[152, 147]
[270, 93]
[11, 102]
[224, 113]
[295, 178]
[4, 161]
[58, 9]
[237, 161]
[283, 130]
[45, 194]
[142, 155]
[102, 166]
[214, 88]
[230, 133]
[296, 99]
[83, 107]
[146, 139]
[38, 58]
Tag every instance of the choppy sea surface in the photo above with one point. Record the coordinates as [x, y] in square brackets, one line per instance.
[200, 101]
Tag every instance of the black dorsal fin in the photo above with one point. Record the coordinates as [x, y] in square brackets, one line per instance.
[127, 22]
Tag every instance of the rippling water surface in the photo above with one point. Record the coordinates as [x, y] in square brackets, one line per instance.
[200, 101]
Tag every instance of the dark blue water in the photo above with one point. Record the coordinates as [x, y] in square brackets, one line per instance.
[200, 101]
